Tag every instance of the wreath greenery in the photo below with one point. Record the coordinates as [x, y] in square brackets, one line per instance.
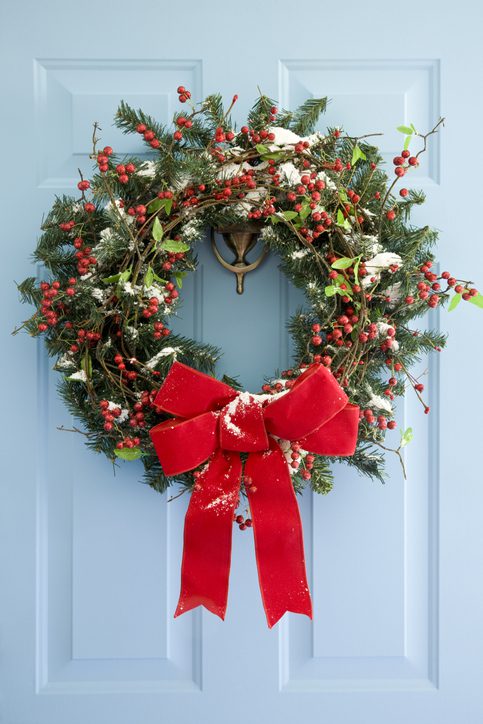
[115, 258]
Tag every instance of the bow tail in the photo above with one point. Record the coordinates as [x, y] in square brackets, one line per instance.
[277, 530]
[208, 530]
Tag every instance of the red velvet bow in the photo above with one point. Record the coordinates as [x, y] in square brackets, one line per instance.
[215, 422]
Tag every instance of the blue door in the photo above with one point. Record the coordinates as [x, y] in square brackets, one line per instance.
[90, 561]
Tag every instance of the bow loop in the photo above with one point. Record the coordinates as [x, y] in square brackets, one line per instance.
[313, 400]
[186, 392]
[216, 423]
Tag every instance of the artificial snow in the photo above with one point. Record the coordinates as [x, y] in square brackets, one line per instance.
[380, 403]
[147, 169]
[165, 352]
[79, 376]
[299, 254]
[124, 413]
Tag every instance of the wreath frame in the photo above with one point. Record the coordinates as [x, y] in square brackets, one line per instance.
[114, 260]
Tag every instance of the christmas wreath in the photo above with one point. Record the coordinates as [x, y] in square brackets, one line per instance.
[115, 257]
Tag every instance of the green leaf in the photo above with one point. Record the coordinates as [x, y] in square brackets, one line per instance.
[149, 277]
[168, 205]
[174, 246]
[275, 156]
[289, 215]
[158, 204]
[179, 276]
[413, 127]
[477, 300]
[454, 302]
[305, 211]
[110, 280]
[407, 142]
[261, 148]
[129, 453]
[274, 219]
[125, 275]
[406, 436]
[343, 263]
[357, 154]
[155, 205]
[157, 230]
[330, 291]
[405, 129]
[342, 221]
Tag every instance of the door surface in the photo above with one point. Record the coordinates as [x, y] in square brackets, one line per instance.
[90, 562]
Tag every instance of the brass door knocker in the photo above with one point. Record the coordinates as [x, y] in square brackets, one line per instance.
[240, 239]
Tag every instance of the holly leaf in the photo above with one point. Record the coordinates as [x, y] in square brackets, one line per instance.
[289, 215]
[343, 263]
[406, 436]
[174, 246]
[129, 453]
[274, 219]
[330, 291]
[454, 302]
[121, 277]
[477, 300]
[155, 205]
[113, 278]
[149, 277]
[261, 148]
[405, 129]
[357, 154]
[157, 230]
[305, 210]
[342, 221]
[275, 156]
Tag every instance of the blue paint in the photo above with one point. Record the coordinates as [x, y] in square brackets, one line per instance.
[89, 562]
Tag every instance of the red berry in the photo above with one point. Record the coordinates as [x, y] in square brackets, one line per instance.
[403, 192]
[391, 215]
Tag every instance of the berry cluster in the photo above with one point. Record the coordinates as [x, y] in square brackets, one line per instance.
[121, 363]
[241, 522]
[149, 135]
[102, 159]
[124, 172]
[183, 94]
[50, 306]
[128, 442]
[109, 413]
[183, 123]
[85, 337]
[160, 330]
[84, 257]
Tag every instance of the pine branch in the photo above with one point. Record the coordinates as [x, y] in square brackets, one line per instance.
[306, 116]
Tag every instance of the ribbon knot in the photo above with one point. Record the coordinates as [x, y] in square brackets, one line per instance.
[215, 423]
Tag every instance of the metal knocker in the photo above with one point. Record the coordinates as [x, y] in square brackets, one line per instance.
[240, 239]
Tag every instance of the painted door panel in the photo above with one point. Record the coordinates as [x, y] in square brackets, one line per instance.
[90, 561]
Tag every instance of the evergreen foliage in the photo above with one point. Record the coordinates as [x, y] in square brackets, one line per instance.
[114, 258]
